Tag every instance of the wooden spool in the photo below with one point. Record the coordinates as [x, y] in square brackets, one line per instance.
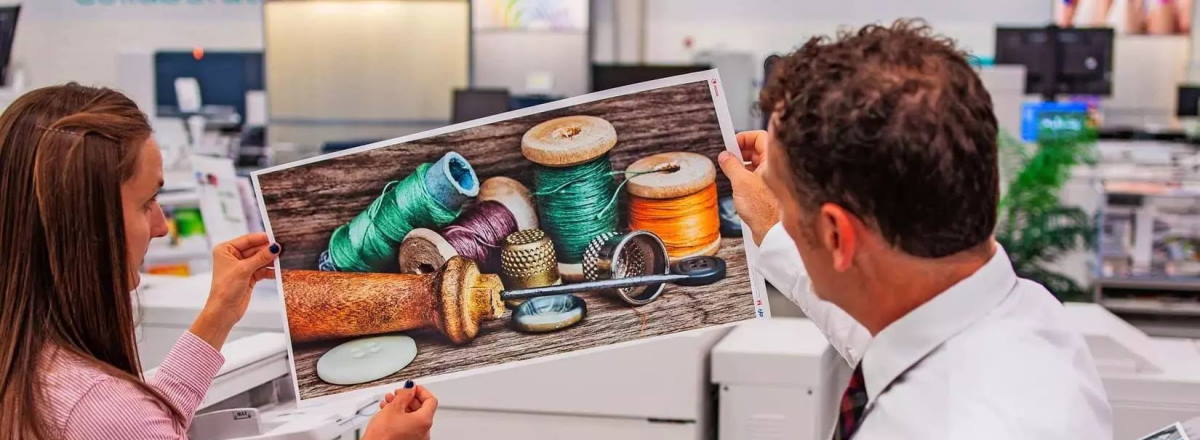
[425, 250]
[328, 305]
[568, 141]
[514, 196]
[691, 173]
[564, 142]
[451, 182]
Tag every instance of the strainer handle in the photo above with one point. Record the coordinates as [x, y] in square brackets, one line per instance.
[693, 271]
[590, 286]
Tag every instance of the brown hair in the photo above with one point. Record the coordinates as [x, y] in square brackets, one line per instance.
[892, 124]
[64, 278]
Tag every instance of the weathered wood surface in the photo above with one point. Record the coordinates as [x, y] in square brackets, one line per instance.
[306, 203]
[608, 321]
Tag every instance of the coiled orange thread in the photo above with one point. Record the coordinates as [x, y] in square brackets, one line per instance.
[685, 224]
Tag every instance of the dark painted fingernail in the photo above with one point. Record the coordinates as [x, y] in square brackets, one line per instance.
[275, 248]
[409, 384]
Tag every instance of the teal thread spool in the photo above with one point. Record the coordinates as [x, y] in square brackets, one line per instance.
[430, 197]
[575, 203]
[574, 184]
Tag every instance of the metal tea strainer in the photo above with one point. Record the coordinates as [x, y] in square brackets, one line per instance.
[613, 256]
[633, 267]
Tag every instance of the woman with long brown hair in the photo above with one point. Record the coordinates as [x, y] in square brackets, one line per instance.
[79, 172]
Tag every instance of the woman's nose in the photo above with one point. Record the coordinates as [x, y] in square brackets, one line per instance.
[158, 224]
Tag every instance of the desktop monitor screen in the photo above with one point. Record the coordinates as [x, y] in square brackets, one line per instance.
[1187, 100]
[607, 76]
[1086, 61]
[224, 78]
[1059, 61]
[768, 72]
[8, 30]
[470, 104]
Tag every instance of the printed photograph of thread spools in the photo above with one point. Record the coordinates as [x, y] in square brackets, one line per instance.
[588, 222]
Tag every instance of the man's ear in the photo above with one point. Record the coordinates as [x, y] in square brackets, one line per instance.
[837, 233]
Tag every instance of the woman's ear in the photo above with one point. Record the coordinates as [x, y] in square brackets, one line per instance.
[837, 233]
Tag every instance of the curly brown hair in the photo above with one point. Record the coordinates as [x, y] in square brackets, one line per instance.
[893, 124]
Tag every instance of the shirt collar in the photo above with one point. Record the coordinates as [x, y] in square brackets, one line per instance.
[909, 339]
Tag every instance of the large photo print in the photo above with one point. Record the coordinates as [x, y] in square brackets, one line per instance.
[573, 225]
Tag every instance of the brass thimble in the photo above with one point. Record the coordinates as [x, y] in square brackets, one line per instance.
[527, 260]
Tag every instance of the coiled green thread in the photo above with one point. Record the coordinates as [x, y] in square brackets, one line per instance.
[576, 204]
[370, 242]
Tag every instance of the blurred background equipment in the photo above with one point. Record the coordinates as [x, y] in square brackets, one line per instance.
[253, 83]
[224, 80]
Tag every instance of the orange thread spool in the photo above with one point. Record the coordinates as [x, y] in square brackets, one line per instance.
[685, 224]
[674, 195]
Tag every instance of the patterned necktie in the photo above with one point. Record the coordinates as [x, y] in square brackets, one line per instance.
[854, 401]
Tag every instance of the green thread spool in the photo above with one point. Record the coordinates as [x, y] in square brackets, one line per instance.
[574, 182]
[430, 197]
[575, 205]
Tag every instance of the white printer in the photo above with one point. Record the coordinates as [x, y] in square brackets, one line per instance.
[779, 378]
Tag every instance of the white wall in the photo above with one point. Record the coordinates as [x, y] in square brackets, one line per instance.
[507, 59]
[547, 59]
[64, 40]
[655, 31]
[359, 71]
[365, 61]
[769, 26]
[81, 40]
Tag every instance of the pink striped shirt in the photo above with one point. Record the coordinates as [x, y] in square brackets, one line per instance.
[85, 403]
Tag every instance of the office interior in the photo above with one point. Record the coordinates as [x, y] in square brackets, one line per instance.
[258, 83]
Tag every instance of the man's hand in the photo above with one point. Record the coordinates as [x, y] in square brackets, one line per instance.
[755, 203]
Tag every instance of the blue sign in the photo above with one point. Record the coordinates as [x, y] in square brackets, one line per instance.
[1041, 120]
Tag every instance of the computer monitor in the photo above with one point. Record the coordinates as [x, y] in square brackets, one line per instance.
[470, 104]
[224, 78]
[8, 30]
[1187, 100]
[522, 101]
[608, 76]
[1059, 60]
[768, 71]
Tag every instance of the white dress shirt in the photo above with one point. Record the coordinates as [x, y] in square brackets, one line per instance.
[989, 358]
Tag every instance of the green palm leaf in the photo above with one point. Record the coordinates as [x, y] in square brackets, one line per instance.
[1034, 228]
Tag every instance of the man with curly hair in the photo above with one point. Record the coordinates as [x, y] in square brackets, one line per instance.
[872, 197]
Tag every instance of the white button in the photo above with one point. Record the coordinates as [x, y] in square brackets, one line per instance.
[367, 359]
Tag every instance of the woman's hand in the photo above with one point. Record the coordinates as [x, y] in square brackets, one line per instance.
[237, 265]
[406, 414]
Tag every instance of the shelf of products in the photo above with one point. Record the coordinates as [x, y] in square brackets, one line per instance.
[1149, 236]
